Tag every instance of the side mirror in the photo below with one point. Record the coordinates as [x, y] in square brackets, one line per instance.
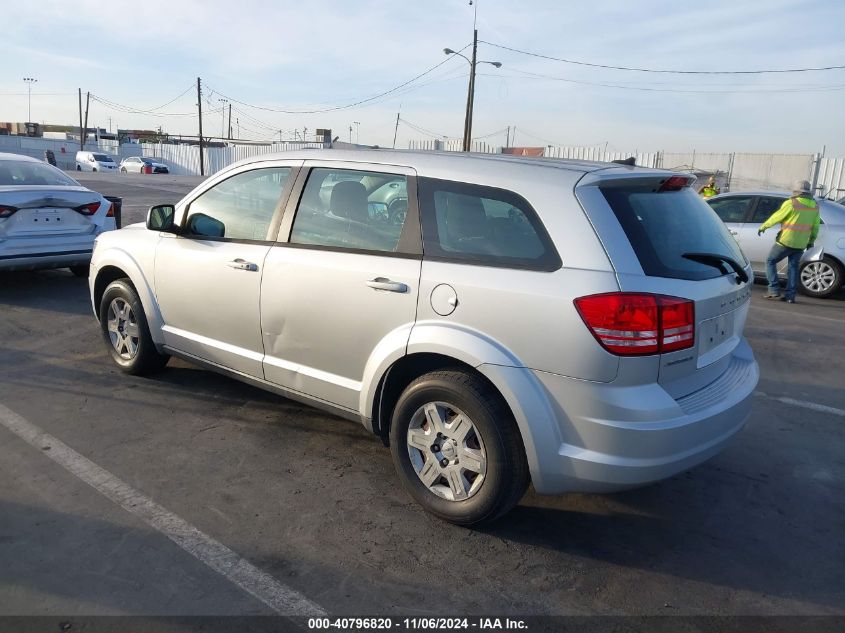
[204, 225]
[160, 218]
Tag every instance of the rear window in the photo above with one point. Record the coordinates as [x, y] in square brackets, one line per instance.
[662, 226]
[14, 172]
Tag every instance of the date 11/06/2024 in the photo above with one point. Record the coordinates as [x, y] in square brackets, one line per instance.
[357, 624]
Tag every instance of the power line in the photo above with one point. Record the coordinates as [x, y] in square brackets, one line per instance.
[655, 70]
[529, 75]
[349, 105]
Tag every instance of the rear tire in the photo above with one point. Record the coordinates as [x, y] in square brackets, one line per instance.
[125, 330]
[457, 449]
[81, 270]
[820, 279]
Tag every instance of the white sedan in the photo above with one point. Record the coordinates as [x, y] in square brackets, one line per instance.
[143, 165]
[47, 219]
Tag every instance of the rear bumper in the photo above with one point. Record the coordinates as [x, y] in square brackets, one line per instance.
[611, 438]
[54, 251]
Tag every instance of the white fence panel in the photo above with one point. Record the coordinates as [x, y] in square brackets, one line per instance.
[770, 171]
[64, 150]
[831, 179]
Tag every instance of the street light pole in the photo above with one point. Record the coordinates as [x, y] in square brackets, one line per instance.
[223, 122]
[467, 141]
[29, 81]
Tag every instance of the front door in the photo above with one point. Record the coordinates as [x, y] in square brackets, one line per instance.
[345, 281]
[208, 278]
[757, 247]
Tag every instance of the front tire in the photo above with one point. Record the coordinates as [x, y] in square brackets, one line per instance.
[125, 330]
[822, 278]
[457, 449]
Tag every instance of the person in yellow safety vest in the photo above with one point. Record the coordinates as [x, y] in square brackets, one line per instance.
[709, 189]
[799, 221]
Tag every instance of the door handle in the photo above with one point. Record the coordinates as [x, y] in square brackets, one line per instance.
[383, 283]
[241, 264]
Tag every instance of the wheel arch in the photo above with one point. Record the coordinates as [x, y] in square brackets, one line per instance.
[117, 264]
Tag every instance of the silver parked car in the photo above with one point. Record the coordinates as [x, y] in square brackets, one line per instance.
[743, 212]
[575, 325]
[47, 219]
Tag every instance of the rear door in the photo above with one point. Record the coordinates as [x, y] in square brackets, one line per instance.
[647, 230]
[342, 279]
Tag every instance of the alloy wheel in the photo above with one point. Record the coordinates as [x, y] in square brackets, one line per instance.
[446, 451]
[123, 328]
[818, 276]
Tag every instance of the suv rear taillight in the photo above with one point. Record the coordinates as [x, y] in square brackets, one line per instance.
[88, 209]
[637, 324]
[6, 211]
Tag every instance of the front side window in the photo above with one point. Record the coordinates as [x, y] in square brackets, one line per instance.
[482, 225]
[240, 207]
[102, 158]
[359, 210]
[732, 209]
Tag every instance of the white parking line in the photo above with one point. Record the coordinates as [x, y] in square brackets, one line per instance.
[821, 408]
[264, 587]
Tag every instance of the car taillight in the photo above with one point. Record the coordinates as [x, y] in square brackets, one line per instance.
[675, 183]
[88, 209]
[110, 212]
[148, 169]
[6, 211]
[637, 324]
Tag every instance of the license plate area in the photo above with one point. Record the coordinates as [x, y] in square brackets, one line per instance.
[47, 217]
[714, 332]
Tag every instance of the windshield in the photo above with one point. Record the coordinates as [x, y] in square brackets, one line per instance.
[20, 172]
[102, 158]
[662, 226]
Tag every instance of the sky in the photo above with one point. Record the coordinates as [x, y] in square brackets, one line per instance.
[140, 62]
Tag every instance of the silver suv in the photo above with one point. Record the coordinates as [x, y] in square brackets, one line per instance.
[575, 325]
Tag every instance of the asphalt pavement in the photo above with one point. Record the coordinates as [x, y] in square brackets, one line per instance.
[312, 503]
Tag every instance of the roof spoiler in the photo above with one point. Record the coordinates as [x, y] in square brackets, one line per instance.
[631, 160]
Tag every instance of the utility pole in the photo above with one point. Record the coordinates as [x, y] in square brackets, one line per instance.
[350, 135]
[81, 133]
[357, 131]
[230, 121]
[199, 106]
[471, 96]
[109, 125]
[238, 123]
[85, 131]
[396, 129]
[508, 137]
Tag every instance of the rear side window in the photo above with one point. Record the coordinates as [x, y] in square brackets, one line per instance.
[483, 225]
[662, 226]
[350, 209]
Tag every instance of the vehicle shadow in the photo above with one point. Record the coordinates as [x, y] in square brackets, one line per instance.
[715, 525]
[52, 290]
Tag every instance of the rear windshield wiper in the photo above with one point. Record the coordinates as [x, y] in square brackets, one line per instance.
[718, 261]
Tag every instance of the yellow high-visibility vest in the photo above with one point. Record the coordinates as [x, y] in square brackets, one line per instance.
[799, 221]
